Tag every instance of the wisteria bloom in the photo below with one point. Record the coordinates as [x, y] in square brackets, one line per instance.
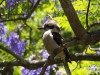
[93, 67]
[16, 45]
[59, 72]
[44, 54]
[33, 1]
[30, 72]
[3, 32]
[98, 52]
[10, 4]
[34, 72]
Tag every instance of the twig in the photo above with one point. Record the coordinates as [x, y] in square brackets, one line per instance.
[86, 48]
[73, 18]
[95, 49]
[33, 8]
[76, 65]
[16, 19]
[92, 25]
[1, 2]
[8, 70]
[12, 53]
[30, 33]
[87, 13]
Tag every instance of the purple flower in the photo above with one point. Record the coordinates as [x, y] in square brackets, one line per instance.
[45, 19]
[33, 1]
[3, 29]
[32, 58]
[24, 14]
[44, 54]
[13, 42]
[34, 72]
[47, 70]
[59, 72]
[59, 7]
[10, 4]
[93, 67]
[98, 52]
[3, 32]
[55, 1]
[15, 45]
[54, 67]
[30, 72]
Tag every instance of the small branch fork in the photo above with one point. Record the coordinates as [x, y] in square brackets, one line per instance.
[87, 14]
[92, 25]
[51, 57]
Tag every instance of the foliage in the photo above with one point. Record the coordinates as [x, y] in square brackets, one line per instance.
[22, 37]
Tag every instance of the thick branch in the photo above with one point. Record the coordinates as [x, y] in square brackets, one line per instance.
[73, 18]
[39, 63]
[92, 38]
[13, 54]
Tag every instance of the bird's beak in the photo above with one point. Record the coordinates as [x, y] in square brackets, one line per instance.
[40, 28]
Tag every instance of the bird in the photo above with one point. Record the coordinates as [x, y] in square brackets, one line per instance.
[52, 39]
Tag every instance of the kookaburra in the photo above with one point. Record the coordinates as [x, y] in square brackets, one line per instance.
[52, 39]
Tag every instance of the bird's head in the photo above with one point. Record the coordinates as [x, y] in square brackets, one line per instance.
[50, 25]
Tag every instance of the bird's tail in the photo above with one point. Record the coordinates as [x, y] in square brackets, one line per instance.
[68, 59]
[67, 69]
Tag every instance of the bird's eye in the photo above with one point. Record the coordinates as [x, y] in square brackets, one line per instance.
[48, 26]
[51, 27]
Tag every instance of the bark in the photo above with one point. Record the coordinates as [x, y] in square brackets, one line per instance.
[39, 63]
[82, 36]
[73, 18]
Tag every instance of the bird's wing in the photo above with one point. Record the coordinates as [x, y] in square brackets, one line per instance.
[57, 37]
[67, 55]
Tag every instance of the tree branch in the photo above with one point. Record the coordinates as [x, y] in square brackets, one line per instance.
[13, 54]
[16, 19]
[39, 63]
[87, 13]
[33, 8]
[73, 18]
[92, 38]
[23, 18]
[1, 2]
[50, 58]
[92, 25]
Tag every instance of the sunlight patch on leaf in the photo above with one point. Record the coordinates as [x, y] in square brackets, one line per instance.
[63, 22]
[80, 5]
